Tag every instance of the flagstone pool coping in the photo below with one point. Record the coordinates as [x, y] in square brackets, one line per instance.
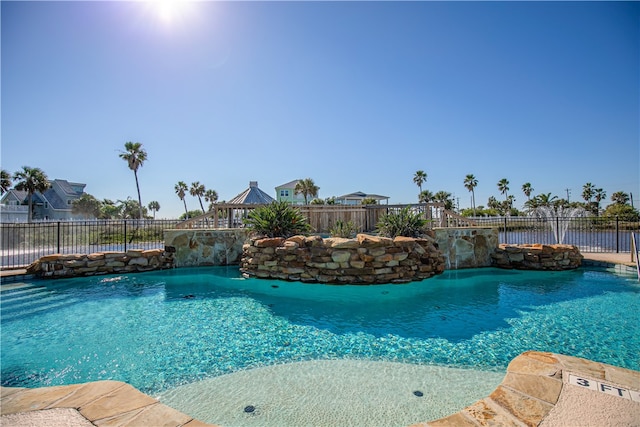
[531, 391]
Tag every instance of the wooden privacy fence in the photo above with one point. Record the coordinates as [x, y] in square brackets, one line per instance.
[323, 217]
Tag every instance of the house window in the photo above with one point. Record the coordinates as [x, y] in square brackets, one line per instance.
[68, 202]
[46, 205]
[284, 193]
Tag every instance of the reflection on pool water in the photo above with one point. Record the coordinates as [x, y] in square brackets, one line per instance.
[160, 330]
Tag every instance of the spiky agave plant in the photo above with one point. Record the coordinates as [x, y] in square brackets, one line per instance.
[278, 219]
[343, 229]
[402, 223]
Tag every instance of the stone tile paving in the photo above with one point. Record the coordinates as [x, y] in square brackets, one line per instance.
[103, 403]
[533, 385]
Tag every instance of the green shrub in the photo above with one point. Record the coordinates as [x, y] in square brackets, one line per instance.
[343, 229]
[279, 219]
[402, 223]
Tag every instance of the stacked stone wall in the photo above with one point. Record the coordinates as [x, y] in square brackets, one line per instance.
[537, 257]
[363, 260]
[109, 262]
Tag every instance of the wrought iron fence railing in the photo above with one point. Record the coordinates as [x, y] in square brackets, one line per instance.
[22, 243]
[589, 234]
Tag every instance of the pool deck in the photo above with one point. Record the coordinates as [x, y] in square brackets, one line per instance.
[539, 389]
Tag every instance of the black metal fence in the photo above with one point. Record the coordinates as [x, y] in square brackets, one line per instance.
[589, 234]
[22, 243]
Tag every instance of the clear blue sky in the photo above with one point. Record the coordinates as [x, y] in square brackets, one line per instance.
[357, 96]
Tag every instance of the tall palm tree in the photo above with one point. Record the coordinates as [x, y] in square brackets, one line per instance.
[599, 195]
[5, 181]
[307, 188]
[135, 156]
[154, 207]
[620, 198]
[211, 197]
[31, 180]
[420, 178]
[503, 187]
[470, 183]
[181, 190]
[527, 189]
[587, 192]
[197, 190]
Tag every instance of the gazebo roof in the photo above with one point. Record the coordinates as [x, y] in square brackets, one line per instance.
[252, 196]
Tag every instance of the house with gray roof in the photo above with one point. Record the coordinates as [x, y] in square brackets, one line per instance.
[54, 204]
[357, 198]
[286, 193]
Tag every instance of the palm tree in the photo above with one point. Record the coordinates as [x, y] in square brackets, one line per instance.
[527, 189]
[470, 183]
[109, 209]
[31, 180]
[181, 190]
[492, 203]
[503, 187]
[5, 181]
[425, 196]
[420, 178]
[211, 197]
[599, 195]
[509, 202]
[546, 199]
[587, 191]
[307, 188]
[197, 190]
[135, 156]
[444, 197]
[620, 198]
[154, 207]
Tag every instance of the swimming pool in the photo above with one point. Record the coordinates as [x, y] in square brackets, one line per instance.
[161, 330]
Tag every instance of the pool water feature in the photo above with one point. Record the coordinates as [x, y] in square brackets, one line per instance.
[162, 330]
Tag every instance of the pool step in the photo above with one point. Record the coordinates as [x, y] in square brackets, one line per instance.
[12, 291]
[26, 296]
[24, 301]
[36, 310]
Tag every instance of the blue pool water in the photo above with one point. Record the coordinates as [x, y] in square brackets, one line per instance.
[159, 330]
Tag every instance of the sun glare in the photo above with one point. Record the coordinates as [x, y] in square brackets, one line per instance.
[170, 12]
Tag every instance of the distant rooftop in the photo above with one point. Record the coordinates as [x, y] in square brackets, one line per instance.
[358, 196]
[290, 184]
